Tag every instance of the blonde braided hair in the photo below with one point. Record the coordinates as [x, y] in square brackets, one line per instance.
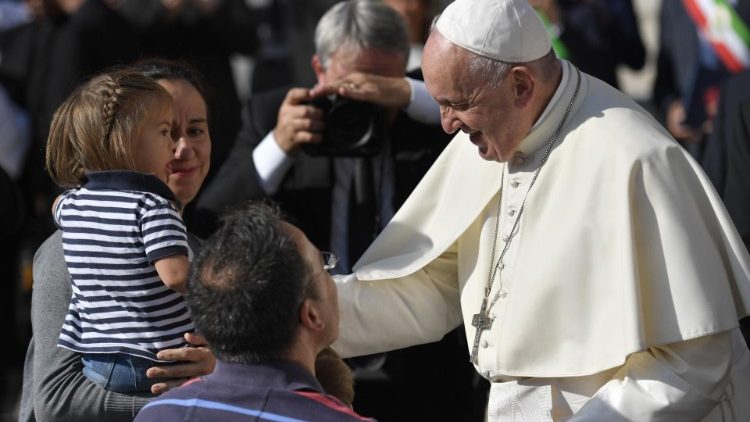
[96, 127]
[111, 91]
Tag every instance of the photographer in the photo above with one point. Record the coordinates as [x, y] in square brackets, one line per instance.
[361, 53]
[340, 202]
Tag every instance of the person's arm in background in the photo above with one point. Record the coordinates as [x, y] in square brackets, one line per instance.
[666, 94]
[59, 390]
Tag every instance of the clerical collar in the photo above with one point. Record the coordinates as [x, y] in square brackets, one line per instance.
[551, 115]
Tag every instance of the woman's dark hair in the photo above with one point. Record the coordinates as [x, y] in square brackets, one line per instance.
[157, 68]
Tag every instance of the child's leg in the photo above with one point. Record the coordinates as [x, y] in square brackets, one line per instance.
[118, 372]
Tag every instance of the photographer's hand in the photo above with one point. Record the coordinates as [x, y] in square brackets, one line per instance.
[298, 122]
[386, 91]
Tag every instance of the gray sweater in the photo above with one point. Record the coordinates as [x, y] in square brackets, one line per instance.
[54, 388]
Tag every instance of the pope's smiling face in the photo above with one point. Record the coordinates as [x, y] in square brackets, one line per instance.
[492, 117]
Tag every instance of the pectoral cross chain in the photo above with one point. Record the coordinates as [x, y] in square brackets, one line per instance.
[482, 322]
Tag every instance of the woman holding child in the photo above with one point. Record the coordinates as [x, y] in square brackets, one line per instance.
[54, 385]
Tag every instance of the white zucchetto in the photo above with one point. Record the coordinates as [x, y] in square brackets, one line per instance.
[504, 30]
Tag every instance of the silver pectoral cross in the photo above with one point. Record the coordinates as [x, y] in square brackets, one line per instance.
[482, 322]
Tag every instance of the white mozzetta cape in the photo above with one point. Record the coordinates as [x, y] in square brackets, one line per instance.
[623, 245]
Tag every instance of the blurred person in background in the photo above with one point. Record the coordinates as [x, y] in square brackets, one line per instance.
[700, 45]
[595, 35]
[289, 44]
[731, 134]
[204, 33]
[418, 15]
[45, 59]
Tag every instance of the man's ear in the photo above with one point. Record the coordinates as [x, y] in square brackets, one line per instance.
[310, 316]
[523, 85]
[320, 72]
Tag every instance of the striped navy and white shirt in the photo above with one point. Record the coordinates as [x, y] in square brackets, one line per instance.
[115, 227]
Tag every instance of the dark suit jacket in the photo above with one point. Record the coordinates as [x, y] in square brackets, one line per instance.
[600, 35]
[732, 129]
[730, 158]
[305, 193]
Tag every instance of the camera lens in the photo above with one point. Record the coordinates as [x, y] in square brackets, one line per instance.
[352, 128]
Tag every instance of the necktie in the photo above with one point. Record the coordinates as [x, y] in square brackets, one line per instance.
[363, 209]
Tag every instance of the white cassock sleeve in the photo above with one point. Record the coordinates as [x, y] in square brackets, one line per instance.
[382, 315]
[676, 382]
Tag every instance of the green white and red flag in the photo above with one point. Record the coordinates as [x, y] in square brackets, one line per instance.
[724, 29]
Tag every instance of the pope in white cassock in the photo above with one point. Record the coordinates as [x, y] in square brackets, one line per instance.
[596, 271]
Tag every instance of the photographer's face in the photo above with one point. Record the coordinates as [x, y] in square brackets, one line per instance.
[347, 60]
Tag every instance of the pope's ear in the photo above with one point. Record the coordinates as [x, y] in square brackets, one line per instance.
[523, 85]
[310, 316]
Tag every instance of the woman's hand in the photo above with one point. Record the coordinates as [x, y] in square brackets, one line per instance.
[194, 361]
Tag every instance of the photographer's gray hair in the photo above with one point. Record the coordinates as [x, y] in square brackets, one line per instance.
[361, 24]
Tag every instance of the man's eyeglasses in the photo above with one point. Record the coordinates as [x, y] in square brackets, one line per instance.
[329, 260]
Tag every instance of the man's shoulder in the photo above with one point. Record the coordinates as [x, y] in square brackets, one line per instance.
[201, 399]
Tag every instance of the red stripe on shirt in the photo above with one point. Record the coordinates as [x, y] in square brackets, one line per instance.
[333, 403]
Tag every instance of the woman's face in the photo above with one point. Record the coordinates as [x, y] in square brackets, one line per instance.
[192, 154]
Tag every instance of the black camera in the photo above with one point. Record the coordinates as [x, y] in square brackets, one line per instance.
[352, 128]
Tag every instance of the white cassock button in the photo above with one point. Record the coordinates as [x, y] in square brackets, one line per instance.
[514, 183]
[492, 316]
[518, 159]
[485, 344]
[511, 212]
[505, 238]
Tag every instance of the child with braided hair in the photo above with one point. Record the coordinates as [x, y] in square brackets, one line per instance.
[124, 241]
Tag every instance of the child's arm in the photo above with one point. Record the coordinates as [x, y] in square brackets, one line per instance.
[173, 271]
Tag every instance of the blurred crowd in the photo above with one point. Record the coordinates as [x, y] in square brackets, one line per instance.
[245, 48]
